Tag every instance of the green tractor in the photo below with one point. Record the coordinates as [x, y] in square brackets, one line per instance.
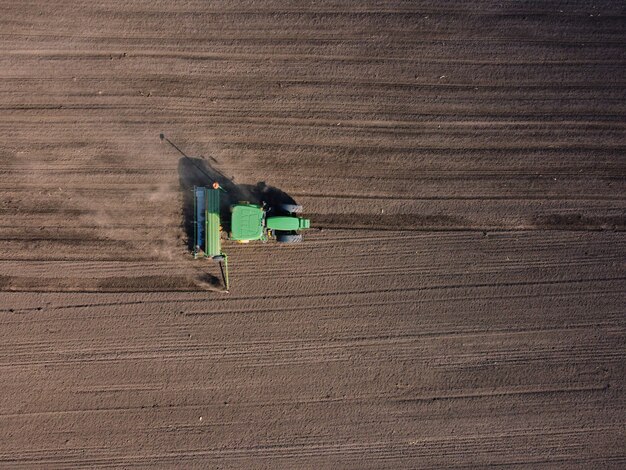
[246, 222]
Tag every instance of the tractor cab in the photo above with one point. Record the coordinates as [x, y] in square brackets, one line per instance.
[247, 222]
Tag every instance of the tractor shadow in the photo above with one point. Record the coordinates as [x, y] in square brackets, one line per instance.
[194, 171]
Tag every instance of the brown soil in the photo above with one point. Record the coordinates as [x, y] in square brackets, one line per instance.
[461, 303]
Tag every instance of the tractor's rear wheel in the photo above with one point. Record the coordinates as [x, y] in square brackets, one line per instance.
[289, 238]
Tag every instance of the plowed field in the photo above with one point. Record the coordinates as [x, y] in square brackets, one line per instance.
[459, 303]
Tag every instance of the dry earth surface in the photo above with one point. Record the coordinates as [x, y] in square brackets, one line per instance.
[462, 305]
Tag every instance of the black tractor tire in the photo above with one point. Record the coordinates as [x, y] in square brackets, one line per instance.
[291, 208]
[289, 238]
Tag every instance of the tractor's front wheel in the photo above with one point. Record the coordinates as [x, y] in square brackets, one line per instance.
[289, 238]
[291, 208]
